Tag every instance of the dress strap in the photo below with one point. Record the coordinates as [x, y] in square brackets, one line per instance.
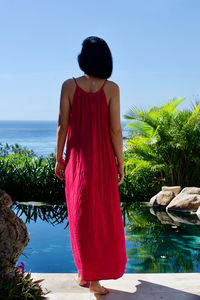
[104, 83]
[75, 80]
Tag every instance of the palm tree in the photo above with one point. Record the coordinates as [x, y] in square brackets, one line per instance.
[168, 140]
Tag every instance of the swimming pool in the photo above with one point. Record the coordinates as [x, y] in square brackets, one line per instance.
[156, 242]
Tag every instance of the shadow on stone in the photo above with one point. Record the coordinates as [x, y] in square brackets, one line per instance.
[148, 290]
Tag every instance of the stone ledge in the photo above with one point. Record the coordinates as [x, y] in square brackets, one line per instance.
[128, 287]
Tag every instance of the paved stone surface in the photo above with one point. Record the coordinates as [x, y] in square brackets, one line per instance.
[156, 286]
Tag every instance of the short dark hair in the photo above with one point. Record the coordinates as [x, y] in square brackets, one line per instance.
[95, 58]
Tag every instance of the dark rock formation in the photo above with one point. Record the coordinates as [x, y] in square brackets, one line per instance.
[13, 236]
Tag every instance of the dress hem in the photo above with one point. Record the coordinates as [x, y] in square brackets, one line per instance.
[87, 276]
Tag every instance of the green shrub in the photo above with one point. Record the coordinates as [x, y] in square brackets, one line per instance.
[21, 286]
[27, 177]
[166, 141]
[141, 180]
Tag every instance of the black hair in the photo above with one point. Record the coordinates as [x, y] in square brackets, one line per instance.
[95, 58]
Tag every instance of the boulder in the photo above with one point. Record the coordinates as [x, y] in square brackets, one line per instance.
[190, 190]
[163, 198]
[13, 236]
[176, 189]
[184, 202]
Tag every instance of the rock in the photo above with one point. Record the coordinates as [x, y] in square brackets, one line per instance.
[190, 190]
[184, 202]
[13, 236]
[175, 189]
[171, 197]
[163, 198]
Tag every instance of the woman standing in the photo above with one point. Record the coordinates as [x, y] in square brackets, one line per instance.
[89, 117]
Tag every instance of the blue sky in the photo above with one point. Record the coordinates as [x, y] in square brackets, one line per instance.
[155, 46]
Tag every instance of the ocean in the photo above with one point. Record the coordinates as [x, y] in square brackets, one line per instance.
[39, 136]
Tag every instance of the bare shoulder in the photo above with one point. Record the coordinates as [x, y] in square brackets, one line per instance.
[68, 87]
[114, 90]
[113, 86]
[68, 84]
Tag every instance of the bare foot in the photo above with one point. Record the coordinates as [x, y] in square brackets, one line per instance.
[78, 279]
[96, 288]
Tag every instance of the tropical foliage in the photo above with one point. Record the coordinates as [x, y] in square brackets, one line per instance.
[21, 286]
[165, 141]
[26, 177]
[141, 181]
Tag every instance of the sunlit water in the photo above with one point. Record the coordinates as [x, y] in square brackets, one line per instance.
[152, 247]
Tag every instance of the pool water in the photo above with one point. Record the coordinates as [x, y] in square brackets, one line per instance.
[156, 242]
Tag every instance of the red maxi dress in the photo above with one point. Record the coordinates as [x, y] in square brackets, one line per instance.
[91, 188]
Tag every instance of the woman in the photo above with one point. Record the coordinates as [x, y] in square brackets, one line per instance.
[89, 117]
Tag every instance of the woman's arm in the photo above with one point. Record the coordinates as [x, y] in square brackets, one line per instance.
[116, 130]
[63, 120]
[115, 125]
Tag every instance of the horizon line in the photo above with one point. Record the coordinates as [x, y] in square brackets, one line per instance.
[39, 120]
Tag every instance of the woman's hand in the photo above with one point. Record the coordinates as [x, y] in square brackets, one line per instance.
[121, 173]
[60, 165]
